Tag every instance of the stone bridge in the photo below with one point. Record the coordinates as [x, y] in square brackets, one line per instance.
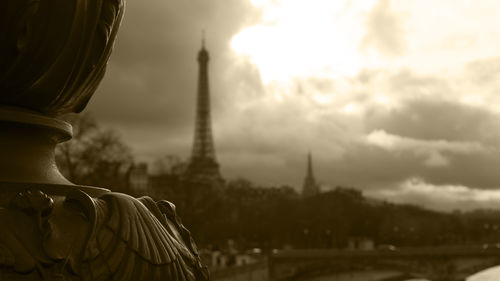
[436, 264]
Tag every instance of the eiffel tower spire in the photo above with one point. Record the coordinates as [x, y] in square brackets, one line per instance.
[310, 186]
[203, 163]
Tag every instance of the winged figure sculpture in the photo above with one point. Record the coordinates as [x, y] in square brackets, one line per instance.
[111, 237]
[135, 239]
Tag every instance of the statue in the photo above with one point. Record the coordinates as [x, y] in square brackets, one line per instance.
[53, 55]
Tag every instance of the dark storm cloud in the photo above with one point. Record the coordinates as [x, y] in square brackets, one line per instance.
[432, 135]
[239, 81]
[365, 167]
[434, 119]
[412, 85]
[429, 133]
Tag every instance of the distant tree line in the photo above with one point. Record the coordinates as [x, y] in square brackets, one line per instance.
[277, 217]
[268, 217]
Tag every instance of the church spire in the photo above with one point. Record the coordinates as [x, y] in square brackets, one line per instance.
[309, 166]
[310, 186]
[203, 39]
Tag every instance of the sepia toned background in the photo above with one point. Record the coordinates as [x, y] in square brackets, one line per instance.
[397, 98]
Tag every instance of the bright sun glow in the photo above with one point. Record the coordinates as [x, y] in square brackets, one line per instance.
[323, 99]
[355, 46]
[384, 100]
[351, 108]
[472, 100]
[299, 38]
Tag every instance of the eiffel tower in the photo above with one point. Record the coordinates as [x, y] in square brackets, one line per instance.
[310, 187]
[203, 164]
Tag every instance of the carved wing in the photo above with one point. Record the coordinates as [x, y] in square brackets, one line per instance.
[130, 243]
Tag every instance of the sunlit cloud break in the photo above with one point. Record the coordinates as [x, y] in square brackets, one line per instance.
[388, 141]
[431, 150]
[304, 38]
[439, 197]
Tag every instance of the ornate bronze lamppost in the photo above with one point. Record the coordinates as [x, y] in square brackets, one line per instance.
[53, 55]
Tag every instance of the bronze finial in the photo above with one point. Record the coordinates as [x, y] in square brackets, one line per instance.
[53, 54]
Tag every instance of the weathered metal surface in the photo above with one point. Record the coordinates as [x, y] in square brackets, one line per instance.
[53, 55]
[54, 52]
[78, 237]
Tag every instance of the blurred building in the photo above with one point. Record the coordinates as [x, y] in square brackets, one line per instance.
[360, 243]
[139, 178]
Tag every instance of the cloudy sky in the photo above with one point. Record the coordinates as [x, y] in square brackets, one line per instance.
[398, 98]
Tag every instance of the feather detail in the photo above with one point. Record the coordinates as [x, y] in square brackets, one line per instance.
[133, 243]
